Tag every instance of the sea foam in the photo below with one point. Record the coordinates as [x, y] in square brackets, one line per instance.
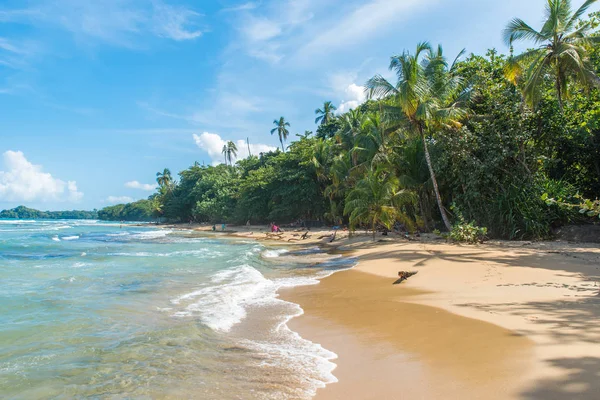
[225, 302]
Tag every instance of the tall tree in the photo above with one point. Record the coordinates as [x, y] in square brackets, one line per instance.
[281, 126]
[325, 115]
[429, 95]
[164, 179]
[560, 52]
[224, 152]
[229, 151]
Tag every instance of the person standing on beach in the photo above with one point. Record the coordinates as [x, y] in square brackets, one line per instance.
[223, 226]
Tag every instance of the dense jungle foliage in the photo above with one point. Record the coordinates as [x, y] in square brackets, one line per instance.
[510, 143]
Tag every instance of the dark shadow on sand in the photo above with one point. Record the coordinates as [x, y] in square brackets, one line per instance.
[581, 381]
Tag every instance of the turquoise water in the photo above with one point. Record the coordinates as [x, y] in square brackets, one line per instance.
[92, 309]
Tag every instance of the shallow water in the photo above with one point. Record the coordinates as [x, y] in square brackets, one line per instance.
[92, 309]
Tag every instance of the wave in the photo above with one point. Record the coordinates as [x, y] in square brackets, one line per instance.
[151, 234]
[74, 237]
[309, 360]
[226, 302]
[118, 234]
[274, 253]
[207, 253]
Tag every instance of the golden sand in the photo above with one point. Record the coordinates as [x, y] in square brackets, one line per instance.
[389, 348]
[505, 320]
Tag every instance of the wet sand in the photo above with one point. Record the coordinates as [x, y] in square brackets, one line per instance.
[504, 320]
[389, 348]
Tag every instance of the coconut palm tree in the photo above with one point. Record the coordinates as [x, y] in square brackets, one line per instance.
[560, 52]
[164, 179]
[377, 200]
[281, 126]
[429, 95]
[325, 114]
[224, 152]
[229, 151]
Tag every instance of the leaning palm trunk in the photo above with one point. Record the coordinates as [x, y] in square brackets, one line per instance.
[435, 185]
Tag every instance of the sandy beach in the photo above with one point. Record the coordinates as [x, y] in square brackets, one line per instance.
[502, 320]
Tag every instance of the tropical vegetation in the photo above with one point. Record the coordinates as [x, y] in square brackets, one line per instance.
[481, 145]
[22, 212]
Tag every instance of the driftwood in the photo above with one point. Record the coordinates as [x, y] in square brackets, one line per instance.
[304, 236]
[404, 275]
[271, 234]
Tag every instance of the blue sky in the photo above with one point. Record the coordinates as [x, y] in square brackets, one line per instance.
[96, 96]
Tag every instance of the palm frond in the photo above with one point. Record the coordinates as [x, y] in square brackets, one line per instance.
[379, 87]
[578, 14]
[517, 29]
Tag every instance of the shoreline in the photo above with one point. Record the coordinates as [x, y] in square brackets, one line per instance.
[529, 311]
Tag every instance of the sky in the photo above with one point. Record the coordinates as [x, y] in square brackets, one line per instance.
[96, 96]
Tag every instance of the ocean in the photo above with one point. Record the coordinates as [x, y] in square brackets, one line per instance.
[90, 309]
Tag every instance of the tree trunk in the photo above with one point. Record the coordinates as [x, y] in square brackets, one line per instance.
[559, 87]
[434, 180]
[560, 101]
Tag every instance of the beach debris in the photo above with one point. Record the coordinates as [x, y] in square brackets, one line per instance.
[404, 275]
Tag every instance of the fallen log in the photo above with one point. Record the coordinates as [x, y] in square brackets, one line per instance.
[404, 275]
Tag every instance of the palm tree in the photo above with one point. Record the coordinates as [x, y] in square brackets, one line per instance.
[224, 152]
[561, 51]
[229, 151]
[377, 200]
[325, 115]
[164, 179]
[429, 95]
[281, 129]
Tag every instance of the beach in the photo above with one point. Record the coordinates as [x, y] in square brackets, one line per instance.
[181, 311]
[502, 320]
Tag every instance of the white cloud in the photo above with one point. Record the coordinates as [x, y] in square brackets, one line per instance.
[213, 145]
[118, 199]
[260, 29]
[24, 181]
[142, 186]
[175, 22]
[353, 97]
[17, 53]
[262, 35]
[117, 22]
[242, 7]
[10, 46]
[344, 87]
[359, 26]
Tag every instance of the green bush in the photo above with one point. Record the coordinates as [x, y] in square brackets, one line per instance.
[468, 233]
